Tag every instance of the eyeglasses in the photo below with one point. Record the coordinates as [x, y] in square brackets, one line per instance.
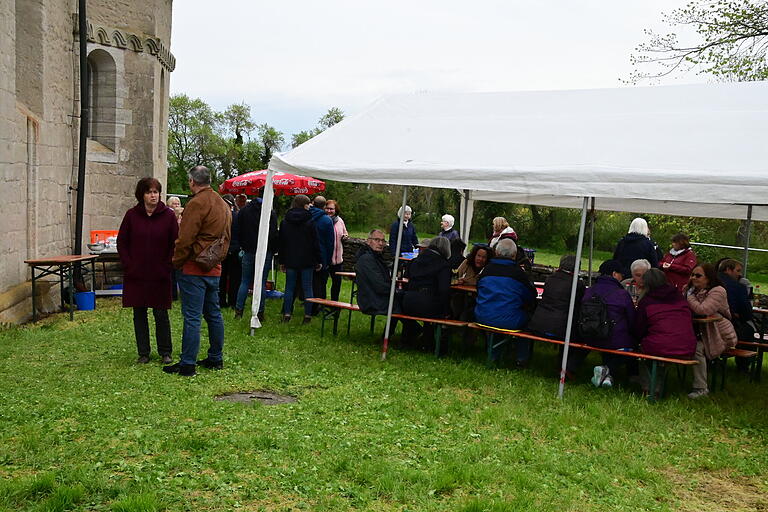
[380, 240]
[697, 275]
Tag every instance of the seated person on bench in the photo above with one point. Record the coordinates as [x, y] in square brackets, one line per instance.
[429, 284]
[551, 316]
[664, 323]
[609, 294]
[505, 296]
[374, 277]
[707, 296]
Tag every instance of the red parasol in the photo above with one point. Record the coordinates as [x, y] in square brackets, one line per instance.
[288, 184]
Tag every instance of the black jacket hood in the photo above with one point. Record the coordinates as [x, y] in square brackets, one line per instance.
[297, 216]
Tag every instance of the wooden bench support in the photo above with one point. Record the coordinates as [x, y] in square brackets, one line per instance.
[654, 360]
[331, 308]
[757, 363]
[439, 323]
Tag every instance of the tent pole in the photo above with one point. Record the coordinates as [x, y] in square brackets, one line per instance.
[465, 215]
[385, 345]
[746, 239]
[572, 302]
[591, 239]
[261, 248]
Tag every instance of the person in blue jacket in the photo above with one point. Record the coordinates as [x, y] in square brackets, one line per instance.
[326, 237]
[410, 240]
[505, 296]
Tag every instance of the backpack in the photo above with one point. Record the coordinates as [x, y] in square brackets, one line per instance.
[594, 323]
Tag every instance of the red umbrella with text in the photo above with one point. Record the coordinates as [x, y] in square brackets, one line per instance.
[252, 182]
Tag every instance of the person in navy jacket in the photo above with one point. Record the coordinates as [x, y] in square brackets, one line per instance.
[410, 240]
[326, 237]
[505, 296]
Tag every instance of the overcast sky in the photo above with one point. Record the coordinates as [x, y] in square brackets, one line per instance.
[291, 60]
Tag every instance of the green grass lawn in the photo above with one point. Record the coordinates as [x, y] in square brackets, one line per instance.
[82, 427]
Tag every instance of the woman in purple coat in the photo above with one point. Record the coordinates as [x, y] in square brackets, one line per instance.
[145, 244]
[621, 314]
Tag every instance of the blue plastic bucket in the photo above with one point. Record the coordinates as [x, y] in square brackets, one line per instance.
[85, 301]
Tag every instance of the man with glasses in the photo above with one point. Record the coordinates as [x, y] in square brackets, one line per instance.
[731, 274]
[373, 275]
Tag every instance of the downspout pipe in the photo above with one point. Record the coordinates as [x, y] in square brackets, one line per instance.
[84, 120]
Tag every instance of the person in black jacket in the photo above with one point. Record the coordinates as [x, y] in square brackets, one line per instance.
[551, 316]
[429, 281]
[229, 281]
[373, 276]
[299, 254]
[429, 285]
[636, 245]
[247, 230]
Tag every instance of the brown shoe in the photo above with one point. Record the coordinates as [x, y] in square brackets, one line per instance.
[307, 319]
[167, 359]
[142, 360]
[286, 319]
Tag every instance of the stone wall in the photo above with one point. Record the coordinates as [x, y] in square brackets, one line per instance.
[39, 127]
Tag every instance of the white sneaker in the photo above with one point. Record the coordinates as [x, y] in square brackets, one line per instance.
[698, 393]
[608, 382]
[599, 374]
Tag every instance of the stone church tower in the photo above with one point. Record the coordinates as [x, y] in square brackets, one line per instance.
[129, 67]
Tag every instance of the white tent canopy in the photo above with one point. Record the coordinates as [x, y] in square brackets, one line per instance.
[690, 144]
[689, 149]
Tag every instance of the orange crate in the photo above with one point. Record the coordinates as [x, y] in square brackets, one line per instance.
[101, 235]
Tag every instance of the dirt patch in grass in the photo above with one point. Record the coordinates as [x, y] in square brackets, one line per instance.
[264, 396]
[711, 491]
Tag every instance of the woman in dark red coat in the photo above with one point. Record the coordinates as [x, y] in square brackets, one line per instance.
[145, 244]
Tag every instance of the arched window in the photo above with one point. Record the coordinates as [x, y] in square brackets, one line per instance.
[102, 87]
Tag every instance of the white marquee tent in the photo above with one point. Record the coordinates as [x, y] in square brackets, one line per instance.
[696, 150]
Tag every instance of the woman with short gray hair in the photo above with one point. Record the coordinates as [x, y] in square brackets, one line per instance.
[410, 239]
[429, 283]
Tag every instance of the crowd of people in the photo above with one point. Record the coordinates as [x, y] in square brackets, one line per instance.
[642, 300]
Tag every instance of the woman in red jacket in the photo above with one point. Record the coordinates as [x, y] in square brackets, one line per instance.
[678, 263]
[664, 323]
[145, 243]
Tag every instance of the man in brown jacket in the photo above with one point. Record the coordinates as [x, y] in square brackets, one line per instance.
[206, 219]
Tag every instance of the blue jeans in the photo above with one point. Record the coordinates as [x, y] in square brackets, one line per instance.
[249, 269]
[200, 298]
[291, 277]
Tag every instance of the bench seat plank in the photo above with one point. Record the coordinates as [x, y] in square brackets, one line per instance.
[638, 355]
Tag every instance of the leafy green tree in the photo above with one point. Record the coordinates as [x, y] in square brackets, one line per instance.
[303, 136]
[271, 140]
[333, 116]
[193, 138]
[732, 39]
[237, 119]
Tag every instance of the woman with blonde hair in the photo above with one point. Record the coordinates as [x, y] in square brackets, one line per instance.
[340, 235]
[501, 229]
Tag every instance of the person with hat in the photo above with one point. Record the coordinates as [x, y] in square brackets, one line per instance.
[620, 310]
